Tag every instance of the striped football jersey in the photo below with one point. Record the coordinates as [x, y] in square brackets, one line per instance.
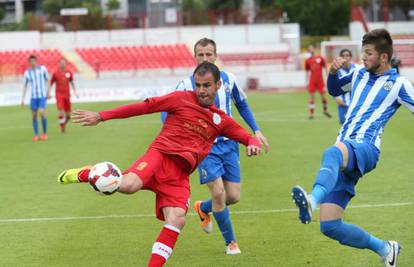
[375, 99]
[38, 81]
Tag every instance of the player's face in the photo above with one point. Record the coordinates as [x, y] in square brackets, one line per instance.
[371, 58]
[311, 49]
[205, 53]
[347, 57]
[62, 64]
[33, 62]
[206, 88]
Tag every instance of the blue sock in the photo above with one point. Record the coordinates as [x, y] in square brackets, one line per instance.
[378, 246]
[224, 223]
[44, 125]
[35, 127]
[353, 236]
[206, 206]
[328, 174]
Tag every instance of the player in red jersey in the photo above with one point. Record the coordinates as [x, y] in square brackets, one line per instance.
[315, 65]
[188, 133]
[63, 78]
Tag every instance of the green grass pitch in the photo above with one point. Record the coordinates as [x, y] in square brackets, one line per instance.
[76, 228]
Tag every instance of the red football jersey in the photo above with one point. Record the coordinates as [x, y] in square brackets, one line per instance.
[62, 79]
[315, 65]
[189, 129]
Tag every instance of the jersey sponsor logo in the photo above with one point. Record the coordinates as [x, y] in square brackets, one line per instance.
[203, 123]
[198, 129]
[388, 85]
[216, 118]
[142, 166]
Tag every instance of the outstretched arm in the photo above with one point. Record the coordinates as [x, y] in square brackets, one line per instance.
[86, 117]
[337, 84]
[248, 117]
[234, 131]
[149, 105]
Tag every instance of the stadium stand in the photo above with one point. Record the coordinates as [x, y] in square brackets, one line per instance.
[119, 58]
[405, 52]
[15, 62]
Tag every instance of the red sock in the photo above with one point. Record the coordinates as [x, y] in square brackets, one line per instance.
[163, 246]
[62, 120]
[83, 175]
[311, 107]
[325, 105]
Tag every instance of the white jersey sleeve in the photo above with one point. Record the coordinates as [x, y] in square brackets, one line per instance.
[406, 94]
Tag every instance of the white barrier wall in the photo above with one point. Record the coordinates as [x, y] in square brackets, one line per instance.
[20, 40]
[224, 35]
[356, 30]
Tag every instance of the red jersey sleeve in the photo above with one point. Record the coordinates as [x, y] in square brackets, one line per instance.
[71, 76]
[233, 130]
[150, 105]
[323, 62]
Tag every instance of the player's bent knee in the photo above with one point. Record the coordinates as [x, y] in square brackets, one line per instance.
[232, 199]
[131, 183]
[176, 218]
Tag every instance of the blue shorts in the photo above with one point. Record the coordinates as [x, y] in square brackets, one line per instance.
[223, 161]
[37, 103]
[362, 158]
[341, 113]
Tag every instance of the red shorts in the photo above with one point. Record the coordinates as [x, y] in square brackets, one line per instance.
[165, 176]
[316, 85]
[63, 103]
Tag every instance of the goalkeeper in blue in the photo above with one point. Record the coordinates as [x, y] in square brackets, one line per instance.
[377, 92]
[220, 170]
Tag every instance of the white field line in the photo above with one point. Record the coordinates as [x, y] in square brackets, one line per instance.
[126, 216]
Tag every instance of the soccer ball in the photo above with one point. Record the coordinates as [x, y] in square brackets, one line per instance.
[105, 177]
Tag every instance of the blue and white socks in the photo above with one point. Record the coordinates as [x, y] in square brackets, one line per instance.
[223, 220]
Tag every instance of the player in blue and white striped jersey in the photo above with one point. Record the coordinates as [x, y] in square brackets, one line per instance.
[377, 92]
[37, 76]
[343, 100]
[220, 170]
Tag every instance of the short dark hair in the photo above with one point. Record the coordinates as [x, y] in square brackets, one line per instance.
[204, 42]
[207, 67]
[32, 57]
[345, 50]
[382, 41]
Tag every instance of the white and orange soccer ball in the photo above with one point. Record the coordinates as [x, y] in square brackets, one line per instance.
[105, 177]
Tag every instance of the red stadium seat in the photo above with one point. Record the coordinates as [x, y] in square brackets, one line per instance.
[47, 57]
[120, 58]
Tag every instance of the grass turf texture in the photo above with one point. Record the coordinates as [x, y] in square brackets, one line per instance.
[270, 238]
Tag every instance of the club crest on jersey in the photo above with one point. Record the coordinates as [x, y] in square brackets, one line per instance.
[67, 75]
[388, 85]
[216, 118]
